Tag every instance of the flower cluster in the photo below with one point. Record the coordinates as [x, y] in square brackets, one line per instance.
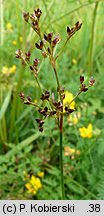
[72, 31]
[83, 87]
[33, 184]
[74, 118]
[68, 100]
[71, 152]
[9, 70]
[64, 102]
[9, 27]
[86, 132]
[14, 42]
[34, 19]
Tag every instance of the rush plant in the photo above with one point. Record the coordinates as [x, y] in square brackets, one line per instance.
[51, 103]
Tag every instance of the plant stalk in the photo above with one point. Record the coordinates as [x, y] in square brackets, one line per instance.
[1, 23]
[90, 65]
[61, 158]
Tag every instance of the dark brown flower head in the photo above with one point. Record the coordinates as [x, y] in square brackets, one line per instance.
[26, 101]
[68, 110]
[44, 111]
[41, 129]
[40, 124]
[45, 37]
[22, 95]
[48, 37]
[83, 88]
[49, 51]
[72, 31]
[28, 55]
[45, 96]
[39, 46]
[63, 95]
[35, 26]
[36, 62]
[39, 121]
[56, 40]
[52, 112]
[31, 68]
[33, 17]
[44, 54]
[26, 16]
[68, 30]
[19, 54]
[78, 26]
[58, 105]
[38, 13]
[91, 81]
[29, 98]
[81, 79]
[62, 89]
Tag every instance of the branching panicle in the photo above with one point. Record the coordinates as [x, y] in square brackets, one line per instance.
[51, 106]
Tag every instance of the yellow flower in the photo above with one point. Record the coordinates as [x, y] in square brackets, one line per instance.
[35, 182]
[74, 118]
[12, 69]
[68, 151]
[21, 39]
[68, 98]
[30, 188]
[74, 61]
[14, 42]
[33, 185]
[9, 26]
[77, 152]
[26, 175]
[86, 132]
[5, 70]
[41, 174]
[35, 101]
[8, 71]
[71, 152]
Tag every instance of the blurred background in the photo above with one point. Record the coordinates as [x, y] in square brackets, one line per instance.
[24, 151]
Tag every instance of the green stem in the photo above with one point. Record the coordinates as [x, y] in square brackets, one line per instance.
[34, 74]
[38, 84]
[56, 75]
[92, 40]
[59, 53]
[2, 23]
[61, 159]
[75, 97]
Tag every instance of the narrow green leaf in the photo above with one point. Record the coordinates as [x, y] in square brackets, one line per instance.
[5, 103]
[19, 147]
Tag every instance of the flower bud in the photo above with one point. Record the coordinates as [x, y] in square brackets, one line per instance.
[26, 16]
[91, 81]
[19, 53]
[44, 54]
[22, 95]
[38, 13]
[84, 88]
[28, 55]
[36, 62]
[81, 79]
[56, 40]
[39, 46]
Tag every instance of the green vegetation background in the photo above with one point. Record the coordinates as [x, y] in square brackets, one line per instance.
[22, 146]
